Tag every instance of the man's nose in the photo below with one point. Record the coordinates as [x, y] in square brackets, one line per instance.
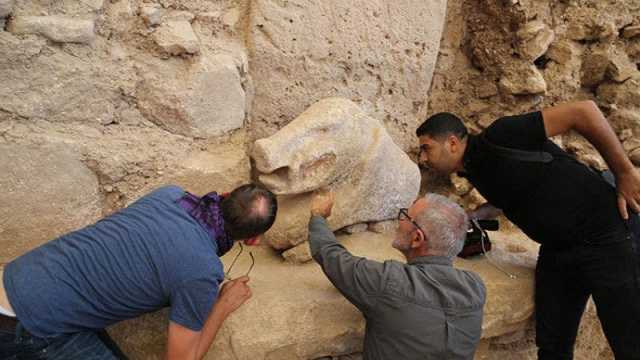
[423, 158]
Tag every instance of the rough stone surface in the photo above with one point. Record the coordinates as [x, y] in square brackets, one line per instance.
[298, 254]
[382, 227]
[151, 14]
[97, 101]
[46, 192]
[378, 53]
[334, 144]
[176, 37]
[6, 6]
[621, 68]
[562, 52]
[206, 99]
[594, 68]
[355, 228]
[523, 80]
[80, 91]
[535, 38]
[589, 24]
[57, 28]
[461, 186]
[623, 95]
[220, 168]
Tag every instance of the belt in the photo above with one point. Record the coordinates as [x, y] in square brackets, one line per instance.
[8, 323]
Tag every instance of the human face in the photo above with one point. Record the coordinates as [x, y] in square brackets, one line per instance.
[407, 227]
[439, 155]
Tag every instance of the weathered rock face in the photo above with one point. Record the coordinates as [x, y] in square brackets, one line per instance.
[206, 100]
[101, 80]
[523, 80]
[378, 53]
[535, 38]
[65, 97]
[220, 168]
[334, 144]
[176, 37]
[46, 192]
[57, 28]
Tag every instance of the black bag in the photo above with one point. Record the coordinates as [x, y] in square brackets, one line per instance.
[477, 240]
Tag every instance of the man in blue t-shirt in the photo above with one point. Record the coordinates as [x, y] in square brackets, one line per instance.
[161, 251]
[581, 221]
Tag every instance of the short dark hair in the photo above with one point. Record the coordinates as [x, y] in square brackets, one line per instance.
[248, 211]
[442, 124]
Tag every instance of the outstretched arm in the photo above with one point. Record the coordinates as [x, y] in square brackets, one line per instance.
[586, 118]
[184, 343]
[357, 278]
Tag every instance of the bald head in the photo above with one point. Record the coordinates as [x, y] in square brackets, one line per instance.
[248, 211]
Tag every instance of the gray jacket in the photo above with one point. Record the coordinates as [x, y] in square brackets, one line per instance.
[426, 309]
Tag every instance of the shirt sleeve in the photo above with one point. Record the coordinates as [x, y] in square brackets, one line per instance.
[192, 302]
[357, 278]
[525, 131]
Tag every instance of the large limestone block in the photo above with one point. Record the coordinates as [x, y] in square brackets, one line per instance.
[296, 314]
[587, 23]
[56, 28]
[534, 39]
[523, 79]
[622, 95]
[334, 144]
[45, 193]
[221, 168]
[58, 87]
[378, 53]
[177, 37]
[201, 100]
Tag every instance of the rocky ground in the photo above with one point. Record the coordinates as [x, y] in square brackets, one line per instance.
[102, 101]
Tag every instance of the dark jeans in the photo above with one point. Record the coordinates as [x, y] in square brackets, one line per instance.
[564, 281]
[88, 345]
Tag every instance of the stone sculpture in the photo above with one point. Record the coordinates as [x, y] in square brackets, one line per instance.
[334, 144]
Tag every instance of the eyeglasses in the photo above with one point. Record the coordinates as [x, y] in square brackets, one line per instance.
[253, 261]
[403, 214]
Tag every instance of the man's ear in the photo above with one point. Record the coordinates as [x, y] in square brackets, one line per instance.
[454, 143]
[418, 239]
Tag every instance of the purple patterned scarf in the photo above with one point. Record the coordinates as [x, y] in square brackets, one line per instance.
[206, 210]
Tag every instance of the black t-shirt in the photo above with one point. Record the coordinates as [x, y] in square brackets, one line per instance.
[556, 203]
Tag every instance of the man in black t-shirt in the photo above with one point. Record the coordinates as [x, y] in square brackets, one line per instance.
[579, 219]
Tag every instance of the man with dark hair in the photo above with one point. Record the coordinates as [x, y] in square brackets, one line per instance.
[579, 219]
[162, 250]
[422, 309]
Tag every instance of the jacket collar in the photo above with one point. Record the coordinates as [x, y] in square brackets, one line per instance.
[431, 260]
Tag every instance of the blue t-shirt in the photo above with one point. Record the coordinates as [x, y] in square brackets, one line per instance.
[150, 255]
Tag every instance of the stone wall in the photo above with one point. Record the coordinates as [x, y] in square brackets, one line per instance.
[103, 100]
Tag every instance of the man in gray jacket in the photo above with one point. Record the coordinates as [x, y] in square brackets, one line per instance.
[424, 309]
